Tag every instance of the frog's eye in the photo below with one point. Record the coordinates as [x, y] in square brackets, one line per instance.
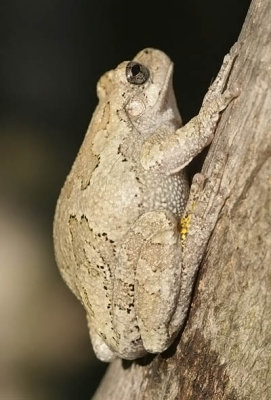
[136, 73]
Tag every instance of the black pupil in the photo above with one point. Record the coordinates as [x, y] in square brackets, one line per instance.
[135, 69]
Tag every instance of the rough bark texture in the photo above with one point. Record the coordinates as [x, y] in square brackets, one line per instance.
[224, 351]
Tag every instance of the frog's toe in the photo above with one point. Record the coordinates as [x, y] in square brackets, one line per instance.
[102, 351]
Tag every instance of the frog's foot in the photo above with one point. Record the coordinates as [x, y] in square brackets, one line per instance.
[220, 82]
[100, 348]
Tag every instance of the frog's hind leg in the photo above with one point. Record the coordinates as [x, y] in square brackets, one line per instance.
[157, 277]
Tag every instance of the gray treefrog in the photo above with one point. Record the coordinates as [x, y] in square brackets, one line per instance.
[116, 228]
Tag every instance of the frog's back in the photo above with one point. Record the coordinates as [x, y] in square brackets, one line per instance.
[92, 218]
[93, 214]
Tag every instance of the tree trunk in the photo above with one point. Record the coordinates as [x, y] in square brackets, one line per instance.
[224, 351]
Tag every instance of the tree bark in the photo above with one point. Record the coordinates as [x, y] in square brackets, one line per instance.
[224, 352]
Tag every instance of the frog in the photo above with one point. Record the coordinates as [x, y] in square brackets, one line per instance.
[117, 220]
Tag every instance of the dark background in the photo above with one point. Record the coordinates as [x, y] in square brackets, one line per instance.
[52, 54]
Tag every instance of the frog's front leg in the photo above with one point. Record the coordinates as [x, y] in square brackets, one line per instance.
[171, 153]
[153, 255]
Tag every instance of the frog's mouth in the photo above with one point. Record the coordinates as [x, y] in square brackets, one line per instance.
[167, 86]
[166, 104]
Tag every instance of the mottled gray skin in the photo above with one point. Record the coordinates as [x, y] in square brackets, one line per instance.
[116, 232]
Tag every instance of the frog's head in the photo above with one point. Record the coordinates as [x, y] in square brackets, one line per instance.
[141, 91]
